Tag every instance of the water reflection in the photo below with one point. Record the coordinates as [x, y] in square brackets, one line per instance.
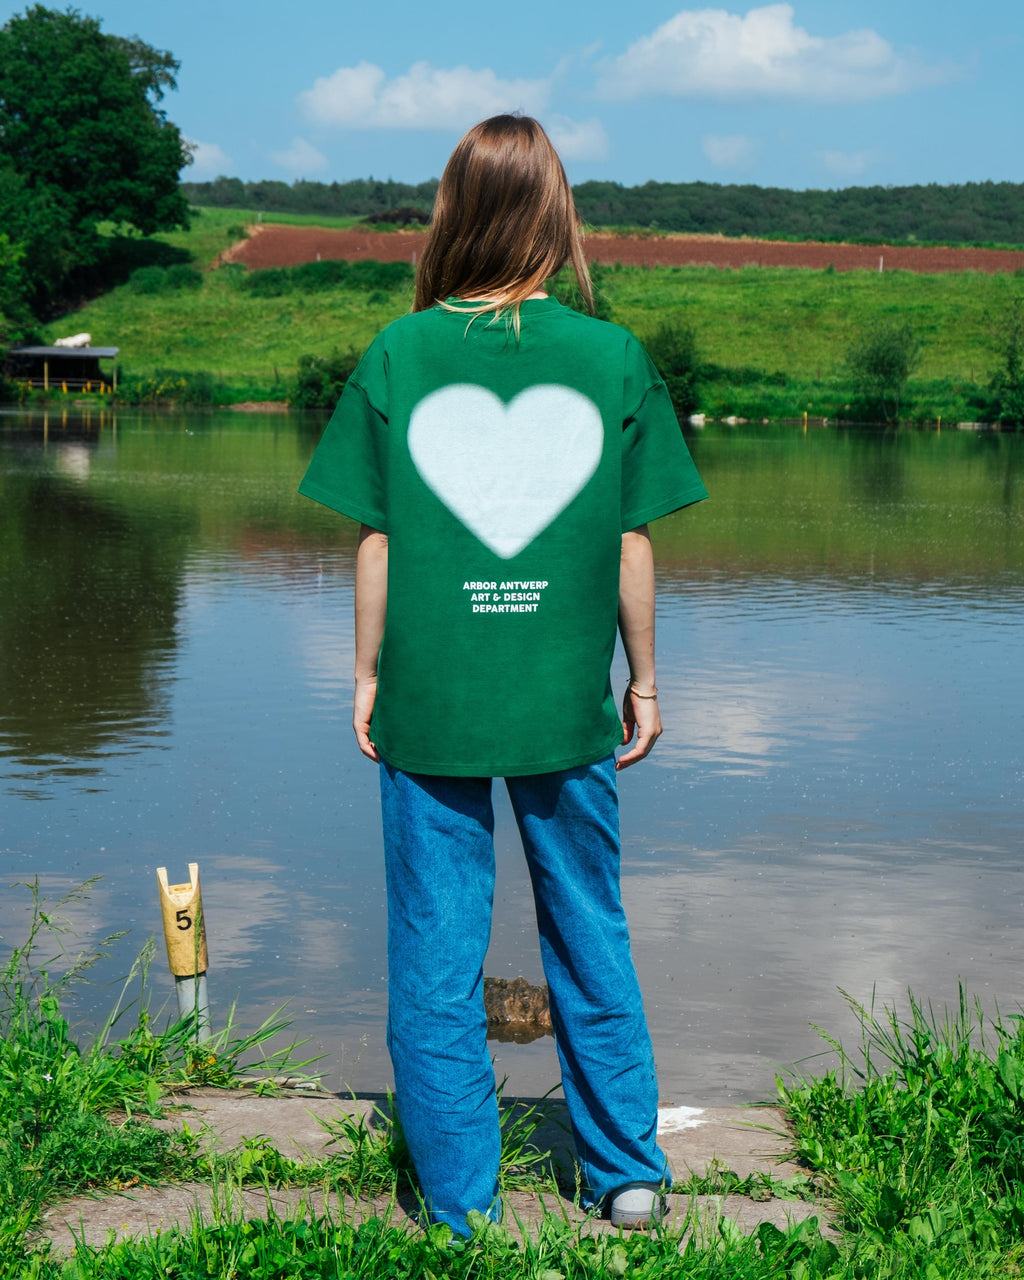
[90, 596]
[835, 804]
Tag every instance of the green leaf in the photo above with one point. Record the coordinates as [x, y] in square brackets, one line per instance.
[1011, 1073]
[616, 1262]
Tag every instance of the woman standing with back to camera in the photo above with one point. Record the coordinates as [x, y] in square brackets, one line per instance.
[504, 454]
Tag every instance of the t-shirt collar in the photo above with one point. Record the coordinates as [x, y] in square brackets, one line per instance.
[530, 306]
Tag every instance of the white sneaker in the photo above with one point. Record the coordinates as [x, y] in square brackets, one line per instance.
[637, 1204]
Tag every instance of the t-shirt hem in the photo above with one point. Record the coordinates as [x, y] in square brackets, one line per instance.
[644, 515]
[365, 515]
[435, 769]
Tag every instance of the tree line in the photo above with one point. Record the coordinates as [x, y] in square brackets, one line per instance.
[964, 213]
[359, 198]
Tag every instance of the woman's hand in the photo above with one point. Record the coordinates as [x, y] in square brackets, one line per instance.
[642, 716]
[370, 609]
[362, 710]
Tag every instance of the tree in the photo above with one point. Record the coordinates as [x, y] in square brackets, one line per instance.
[11, 288]
[673, 348]
[321, 379]
[82, 140]
[881, 358]
[1007, 385]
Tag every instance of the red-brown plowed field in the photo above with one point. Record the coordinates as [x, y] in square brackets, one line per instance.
[275, 245]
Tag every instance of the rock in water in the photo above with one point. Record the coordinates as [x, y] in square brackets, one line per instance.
[512, 1004]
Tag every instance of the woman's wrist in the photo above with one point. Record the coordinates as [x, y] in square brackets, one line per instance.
[641, 688]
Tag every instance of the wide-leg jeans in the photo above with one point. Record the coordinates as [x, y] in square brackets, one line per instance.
[439, 851]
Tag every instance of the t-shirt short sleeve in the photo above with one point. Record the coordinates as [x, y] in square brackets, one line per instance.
[658, 474]
[348, 470]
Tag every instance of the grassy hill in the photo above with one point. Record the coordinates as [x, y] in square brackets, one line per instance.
[773, 341]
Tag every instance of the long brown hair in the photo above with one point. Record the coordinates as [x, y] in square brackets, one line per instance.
[504, 221]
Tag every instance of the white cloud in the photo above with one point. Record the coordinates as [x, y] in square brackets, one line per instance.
[733, 151]
[208, 160]
[425, 97]
[711, 53]
[849, 164]
[301, 158]
[578, 139]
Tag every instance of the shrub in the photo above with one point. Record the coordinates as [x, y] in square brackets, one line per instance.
[317, 277]
[321, 379]
[182, 276]
[880, 360]
[399, 217]
[233, 273]
[271, 283]
[369, 274]
[148, 280]
[673, 348]
[156, 279]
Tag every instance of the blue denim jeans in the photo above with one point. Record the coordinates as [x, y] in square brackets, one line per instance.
[439, 851]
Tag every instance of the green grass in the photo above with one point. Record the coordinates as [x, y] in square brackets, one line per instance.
[798, 321]
[314, 1247]
[250, 343]
[777, 337]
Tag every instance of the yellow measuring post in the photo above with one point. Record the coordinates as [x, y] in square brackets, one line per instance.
[184, 927]
[181, 906]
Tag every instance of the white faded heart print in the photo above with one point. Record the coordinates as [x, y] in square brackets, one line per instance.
[506, 470]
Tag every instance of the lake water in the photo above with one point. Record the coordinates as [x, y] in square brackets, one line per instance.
[836, 805]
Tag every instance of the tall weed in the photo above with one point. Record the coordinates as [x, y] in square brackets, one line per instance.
[921, 1136]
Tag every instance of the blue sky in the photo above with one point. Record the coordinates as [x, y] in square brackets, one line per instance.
[808, 94]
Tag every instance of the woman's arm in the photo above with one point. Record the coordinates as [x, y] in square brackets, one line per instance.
[636, 627]
[371, 606]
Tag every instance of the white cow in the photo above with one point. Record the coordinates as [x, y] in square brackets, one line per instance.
[78, 340]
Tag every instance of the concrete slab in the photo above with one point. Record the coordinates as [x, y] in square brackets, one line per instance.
[294, 1124]
[745, 1140]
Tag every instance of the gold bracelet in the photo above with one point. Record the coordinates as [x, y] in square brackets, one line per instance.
[637, 694]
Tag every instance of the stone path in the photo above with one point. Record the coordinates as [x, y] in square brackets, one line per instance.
[745, 1140]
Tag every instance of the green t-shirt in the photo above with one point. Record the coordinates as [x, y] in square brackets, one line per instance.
[504, 473]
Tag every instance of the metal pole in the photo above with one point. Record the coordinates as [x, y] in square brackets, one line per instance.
[194, 1002]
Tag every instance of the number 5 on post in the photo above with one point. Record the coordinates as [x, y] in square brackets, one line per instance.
[185, 934]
